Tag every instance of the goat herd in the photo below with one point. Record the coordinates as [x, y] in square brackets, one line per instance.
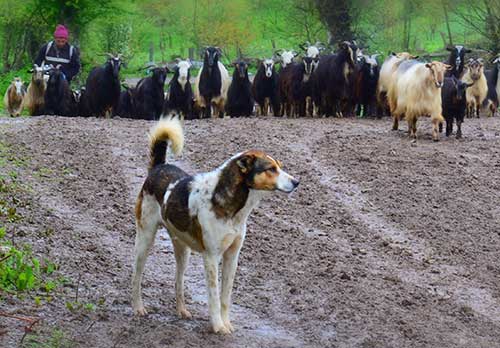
[344, 83]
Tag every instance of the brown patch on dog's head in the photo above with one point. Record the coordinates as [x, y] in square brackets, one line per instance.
[261, 171]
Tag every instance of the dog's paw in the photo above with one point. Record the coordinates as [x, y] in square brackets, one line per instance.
[221, 330]
[184, 314]
[140, 311]
[228, 325]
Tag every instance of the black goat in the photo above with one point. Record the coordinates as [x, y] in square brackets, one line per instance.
[58, 96]
[103, 87]
[180, 96]
[492, 77]
[126, 104]
[211, 84]
[149, 95]
[265, 88]
[239, 96]
[298, 86]
[365, 86]
[333, 80]
[456, 60]
[454, 104]
[83, 104]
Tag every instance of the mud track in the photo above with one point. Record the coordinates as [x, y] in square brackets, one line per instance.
[387, 243]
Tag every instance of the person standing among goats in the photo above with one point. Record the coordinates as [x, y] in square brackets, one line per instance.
[60, 52]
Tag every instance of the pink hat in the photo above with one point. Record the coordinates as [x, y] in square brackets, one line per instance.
[61, 32]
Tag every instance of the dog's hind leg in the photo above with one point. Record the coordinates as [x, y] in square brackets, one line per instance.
[229, 264]
[147, 225]
[182, 253]
[212, 279]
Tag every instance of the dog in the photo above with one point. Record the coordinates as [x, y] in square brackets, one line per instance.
[205, 212]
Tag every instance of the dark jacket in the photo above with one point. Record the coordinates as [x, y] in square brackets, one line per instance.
[68, 57]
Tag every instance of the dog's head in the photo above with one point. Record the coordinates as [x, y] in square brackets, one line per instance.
[262, 172]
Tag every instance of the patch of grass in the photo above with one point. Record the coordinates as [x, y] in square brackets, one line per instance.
[8, 155]
[20, 271]
[44, 172]
[75, 306]
[57, 339]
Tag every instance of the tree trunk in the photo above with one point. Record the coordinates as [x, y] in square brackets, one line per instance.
[337, 18]
[7, 48]
[446, 18]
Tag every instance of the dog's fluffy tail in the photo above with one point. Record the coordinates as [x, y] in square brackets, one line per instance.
[167, 129]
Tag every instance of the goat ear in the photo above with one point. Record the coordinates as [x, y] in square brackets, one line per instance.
[467, 50]
[450, 48]
[415, 57]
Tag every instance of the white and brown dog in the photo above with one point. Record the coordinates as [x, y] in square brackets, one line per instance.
[205, 212]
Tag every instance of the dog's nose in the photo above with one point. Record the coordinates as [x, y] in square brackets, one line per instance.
[295, 183]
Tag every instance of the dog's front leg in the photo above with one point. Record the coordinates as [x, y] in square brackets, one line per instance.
[229, 264]
[212, 280]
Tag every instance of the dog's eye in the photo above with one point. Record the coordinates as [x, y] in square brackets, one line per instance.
[273, 170]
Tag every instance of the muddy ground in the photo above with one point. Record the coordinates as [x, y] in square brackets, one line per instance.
[386, 243]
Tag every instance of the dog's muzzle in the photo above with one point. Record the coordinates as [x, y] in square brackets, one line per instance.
[286, 183]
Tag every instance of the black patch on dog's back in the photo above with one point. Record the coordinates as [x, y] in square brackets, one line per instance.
[177, 208]
[176, 211]
[160, 177]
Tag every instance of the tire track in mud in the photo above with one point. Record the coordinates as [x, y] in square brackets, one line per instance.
[351, 196]
[328, 267]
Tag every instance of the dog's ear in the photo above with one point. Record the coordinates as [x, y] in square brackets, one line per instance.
[245, 163]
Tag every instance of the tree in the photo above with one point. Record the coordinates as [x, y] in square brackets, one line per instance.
[305, 16]
[484, 18]
[337, 18]
[163, 15]
[20, 34]
[75, 14]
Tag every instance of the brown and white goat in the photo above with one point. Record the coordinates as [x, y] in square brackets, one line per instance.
[390, 65]
[477, 93]
[417, 92]
[35, 96]
[14, 96]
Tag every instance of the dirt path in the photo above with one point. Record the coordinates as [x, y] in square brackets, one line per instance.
[386, 243]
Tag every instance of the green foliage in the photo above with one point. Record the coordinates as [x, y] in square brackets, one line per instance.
[75, 306]
[57, 339]
[20, 271]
